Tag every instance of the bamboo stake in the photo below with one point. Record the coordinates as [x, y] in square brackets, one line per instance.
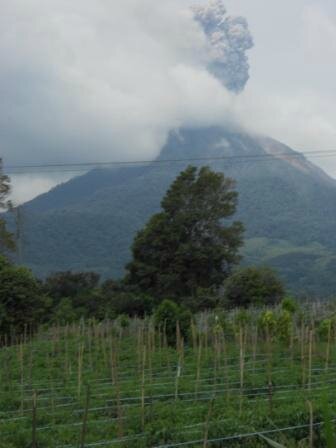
[34, 421]
[21, 377]
[143, 388]
[198, 367]
[241, 357]
[80, 367]
[311, 424]
[207, 422]
[85, 418]
[193, 335]
[310, 359]
[328, 348]
[303, 354]
[241, 367]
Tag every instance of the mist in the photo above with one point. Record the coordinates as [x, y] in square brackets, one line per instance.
[85, 81]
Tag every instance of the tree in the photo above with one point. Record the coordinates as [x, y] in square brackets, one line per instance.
[6, 238]
[166, 317]
[253, 286]
[80, 290]
[70, 284]
[187, 246]
[21, 299]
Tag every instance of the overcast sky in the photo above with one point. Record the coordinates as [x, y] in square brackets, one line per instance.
[107, 80]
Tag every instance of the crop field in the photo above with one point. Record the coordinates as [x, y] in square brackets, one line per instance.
[241, 379]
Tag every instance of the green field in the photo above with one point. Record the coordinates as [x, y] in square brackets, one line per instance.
[222, 382]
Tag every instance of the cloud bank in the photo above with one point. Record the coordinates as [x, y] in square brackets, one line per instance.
[85, 80]
[93, 81]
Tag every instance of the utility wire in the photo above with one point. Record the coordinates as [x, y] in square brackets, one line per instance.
[85, 166]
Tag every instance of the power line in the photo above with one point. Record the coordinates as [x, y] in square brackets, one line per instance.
[85, 166]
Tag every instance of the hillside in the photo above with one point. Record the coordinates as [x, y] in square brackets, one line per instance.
[286, 203]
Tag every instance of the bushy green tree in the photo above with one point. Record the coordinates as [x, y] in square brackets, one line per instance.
[70, 284]
[167, 315]
[22, 302]
[187, 246]
[130, 304]
[6, 238]
[253, 286]
[80, 291]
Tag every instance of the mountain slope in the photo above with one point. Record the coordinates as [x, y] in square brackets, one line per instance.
[90, 222]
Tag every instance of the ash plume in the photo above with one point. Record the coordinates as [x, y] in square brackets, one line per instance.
[229, 40]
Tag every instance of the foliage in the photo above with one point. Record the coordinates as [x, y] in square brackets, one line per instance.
[6, 238]
[290, 305]
[249, 392]
[203, 299]
[267, 321]
[186, 246]
[325, 328]
[70, 284]
[284, 325]
[22, 302]
[64, 312]
[166, 316]
[253, 286]
[130, 304]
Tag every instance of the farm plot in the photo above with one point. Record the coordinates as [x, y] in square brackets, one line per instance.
[128, 383]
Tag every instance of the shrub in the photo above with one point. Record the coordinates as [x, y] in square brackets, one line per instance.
[253, 286]
[64, 313]
[130, 304]
[284, 325]
[267, 322]
[22, 302]
[204, 299]
[325, 327]
[167, 315]
[289, 304]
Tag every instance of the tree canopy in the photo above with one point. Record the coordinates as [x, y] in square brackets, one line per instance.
[187, 245]
[6, 239]
[253, 286]
[21, 299]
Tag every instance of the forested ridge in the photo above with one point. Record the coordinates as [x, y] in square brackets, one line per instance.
[286, 204]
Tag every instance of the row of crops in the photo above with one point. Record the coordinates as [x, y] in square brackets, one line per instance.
[239, 379]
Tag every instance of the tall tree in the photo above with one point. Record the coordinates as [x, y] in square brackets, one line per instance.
[187, 245]
[21, 299]
[6, 238]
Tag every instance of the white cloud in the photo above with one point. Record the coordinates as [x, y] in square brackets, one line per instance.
[27, 186]
[292, 95]
[85, 80]
[319, 32]
[303, 120]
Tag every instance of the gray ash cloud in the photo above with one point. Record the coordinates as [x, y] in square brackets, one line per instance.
[229, 40]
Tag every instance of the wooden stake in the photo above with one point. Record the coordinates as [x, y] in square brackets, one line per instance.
[310, 359]
[34, 421]
[207, 423]
[311, 424]
[85, 418]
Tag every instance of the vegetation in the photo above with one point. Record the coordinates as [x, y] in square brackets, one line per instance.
[182, 352]
[229, 380]
[6, 238]
[22, 302]
[89, 223]
[187, 246]
[253, 286]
